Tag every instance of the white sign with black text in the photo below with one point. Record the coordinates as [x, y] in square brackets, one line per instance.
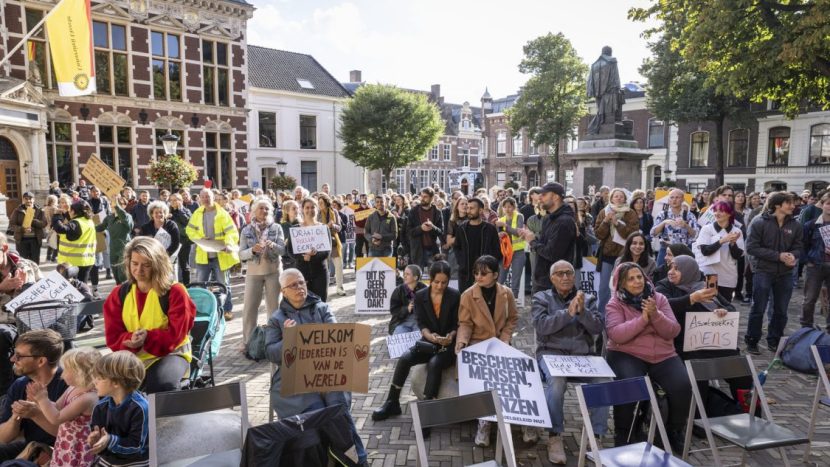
[398, 344]
[578, 366]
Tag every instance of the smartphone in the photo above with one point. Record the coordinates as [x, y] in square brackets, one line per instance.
[711, 281]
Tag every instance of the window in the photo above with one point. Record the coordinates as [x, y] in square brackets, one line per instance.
[550, 176]
[533, 149]
[433, 153]
[501, 143]
[400, 179]
[308, 175]
[433, 177]
[215, 74]
[267, 129]
[160, 147]
[466, 123]
[697, 188]
[111, 71]
[820, 144]
[38, 52]
[464, 157]
[656, 133]
[779, 146]
[699, 151]
[167, 66]
[59, 152]
[218, 159]
[423, 178]
[448, 152]
[501, 178]
[738, 148]
[518, 143]
[115, 148]
[305, 84]
[308, 132]
[516, 177]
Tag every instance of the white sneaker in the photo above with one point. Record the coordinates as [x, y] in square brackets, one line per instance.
[556, 451]
[483, 434]
[530, 435]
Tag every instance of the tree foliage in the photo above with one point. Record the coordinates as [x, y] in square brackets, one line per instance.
[283, 182]
[384, 128]
[753, 49]
[553, 99]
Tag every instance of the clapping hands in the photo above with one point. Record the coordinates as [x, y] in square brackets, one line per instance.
[98, 440]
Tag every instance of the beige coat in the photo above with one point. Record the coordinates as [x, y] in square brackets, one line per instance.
[475, 324]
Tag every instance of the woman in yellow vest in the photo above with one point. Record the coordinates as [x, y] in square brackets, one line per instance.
[151, 316]
[76, 235]
[509, 224]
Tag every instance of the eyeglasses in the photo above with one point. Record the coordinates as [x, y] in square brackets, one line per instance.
[18, 356]
[563, 274]
[296, 285]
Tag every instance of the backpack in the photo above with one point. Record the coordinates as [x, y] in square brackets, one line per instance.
[256, 343]
[796, 354]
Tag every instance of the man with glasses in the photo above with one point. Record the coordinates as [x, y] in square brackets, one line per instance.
[35, 358]
[566, 322]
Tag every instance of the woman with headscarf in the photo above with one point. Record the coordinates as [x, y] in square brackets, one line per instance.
[672, 251]
[614, 223]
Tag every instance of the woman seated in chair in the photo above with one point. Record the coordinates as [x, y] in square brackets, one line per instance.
[151, 316]
[641, 329]
[160, 221]
[436, 308]
[300, 307]
[487, 310]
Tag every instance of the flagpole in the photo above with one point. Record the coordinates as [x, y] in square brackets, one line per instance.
[31, 32]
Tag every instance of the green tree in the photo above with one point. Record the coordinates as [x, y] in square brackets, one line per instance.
[283, 182]
[754, 49]
[384, 128]
[553, 99]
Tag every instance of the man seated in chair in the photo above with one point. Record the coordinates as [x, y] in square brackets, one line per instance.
[566, 322]
[299, 306]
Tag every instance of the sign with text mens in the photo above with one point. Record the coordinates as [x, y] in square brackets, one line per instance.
[325, 357]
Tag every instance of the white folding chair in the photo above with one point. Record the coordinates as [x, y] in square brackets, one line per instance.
[821, 353]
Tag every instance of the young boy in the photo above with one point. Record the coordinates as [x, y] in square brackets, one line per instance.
[119, 421]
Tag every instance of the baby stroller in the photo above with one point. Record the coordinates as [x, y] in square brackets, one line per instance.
[208, 331]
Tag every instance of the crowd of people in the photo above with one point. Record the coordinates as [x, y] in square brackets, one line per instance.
[654, 266]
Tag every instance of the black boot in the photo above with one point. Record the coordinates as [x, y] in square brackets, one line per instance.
[391, 407]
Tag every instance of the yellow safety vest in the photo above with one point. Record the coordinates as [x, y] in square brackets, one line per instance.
[152, 317]
[80, 252]
[224, 230]
[517, 241]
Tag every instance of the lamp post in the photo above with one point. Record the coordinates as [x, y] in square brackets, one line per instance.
[281, 167]
[170, 142]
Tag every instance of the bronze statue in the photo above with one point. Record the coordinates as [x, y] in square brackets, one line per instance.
[604, 87]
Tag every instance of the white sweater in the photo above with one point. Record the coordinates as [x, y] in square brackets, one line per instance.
[721, 262]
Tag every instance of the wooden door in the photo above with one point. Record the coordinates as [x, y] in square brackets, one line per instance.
[10, 184]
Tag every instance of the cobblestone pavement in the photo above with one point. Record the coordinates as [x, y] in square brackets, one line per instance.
[392, 442]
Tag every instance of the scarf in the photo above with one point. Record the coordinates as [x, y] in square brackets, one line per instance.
[690, 278]
[636, 301]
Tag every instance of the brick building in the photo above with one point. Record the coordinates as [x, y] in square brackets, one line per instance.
[160, 65]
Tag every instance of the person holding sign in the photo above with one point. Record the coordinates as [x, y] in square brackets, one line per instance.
[566, 322]
[613, 225]
[313, 264]
[641, 329]
[719, 246]
[381, 229]
[436, 308]
[76, 233]
[300, 307]
[161, 227]
[487, 310]
[28, 222]
[402, 302]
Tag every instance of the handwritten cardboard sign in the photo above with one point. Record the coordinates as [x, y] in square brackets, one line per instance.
[398, 344]
[325, 357]
[305, 239]
[102, 176]
[705, 331]
[374, 285]
[578, 366]
[492, 364]
[52, 287]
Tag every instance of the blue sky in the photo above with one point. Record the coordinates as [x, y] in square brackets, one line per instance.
[463, 45]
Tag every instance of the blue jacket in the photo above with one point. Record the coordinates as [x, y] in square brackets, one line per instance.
[813, 243]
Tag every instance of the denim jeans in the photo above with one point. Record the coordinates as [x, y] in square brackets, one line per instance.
[781, 288]
[818, 275]
[211, 271]
[517, 266]
[349, 253]
[605, 286]
[555, 388]
[330, 399]
[380, 252]
[661, 255]
[405, 327]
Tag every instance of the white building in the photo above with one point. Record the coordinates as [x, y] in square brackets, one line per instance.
[294, 116]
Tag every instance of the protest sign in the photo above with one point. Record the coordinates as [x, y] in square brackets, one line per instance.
[325, 357]
[705, 331]
[589, 277]
[52, 287]
[28, 217]
[305, 239]
[213, 246]
[364, 214]
[375, 283]
[102, 176]
[661, 199]
[398, 344]
[492, 364]
[578, 366]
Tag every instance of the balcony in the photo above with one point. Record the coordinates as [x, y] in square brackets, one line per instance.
[795, 170]
[531, 159]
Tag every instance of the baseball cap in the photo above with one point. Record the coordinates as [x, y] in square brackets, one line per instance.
[553, 187]
[28, 194]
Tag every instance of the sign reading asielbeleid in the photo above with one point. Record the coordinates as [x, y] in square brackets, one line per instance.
[52, 287]
[578, 366]
[706, 331]
[325, 357]
[492, 364]
[305, 239]
[398, 344]
[375, 283]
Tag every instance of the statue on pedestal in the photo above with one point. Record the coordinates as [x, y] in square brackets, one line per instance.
[604, 87]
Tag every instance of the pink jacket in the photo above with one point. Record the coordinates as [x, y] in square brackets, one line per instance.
[651, 341]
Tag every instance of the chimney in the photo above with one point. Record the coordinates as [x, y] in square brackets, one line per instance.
[436, 92]
[355, 76]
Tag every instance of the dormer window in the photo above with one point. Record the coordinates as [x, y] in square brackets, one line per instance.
[305, 84]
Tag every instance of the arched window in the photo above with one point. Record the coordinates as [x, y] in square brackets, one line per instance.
[779, 146]
[820, 144]
[699, 149]
[738, 148]
[656, 133]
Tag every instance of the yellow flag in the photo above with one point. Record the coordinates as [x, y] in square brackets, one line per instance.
[70, 41]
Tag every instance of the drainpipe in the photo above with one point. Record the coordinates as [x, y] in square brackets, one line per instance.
[334, 142]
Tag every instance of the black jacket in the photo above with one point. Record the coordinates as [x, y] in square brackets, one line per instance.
[149, 230]
[399, 305]
[414, 232]
[556, 242]
[448, 322]
[182, 217]
[301, 440]
[489, 246]
[766, 240]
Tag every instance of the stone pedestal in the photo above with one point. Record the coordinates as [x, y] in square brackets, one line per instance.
[449, 382]
[613, 162]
